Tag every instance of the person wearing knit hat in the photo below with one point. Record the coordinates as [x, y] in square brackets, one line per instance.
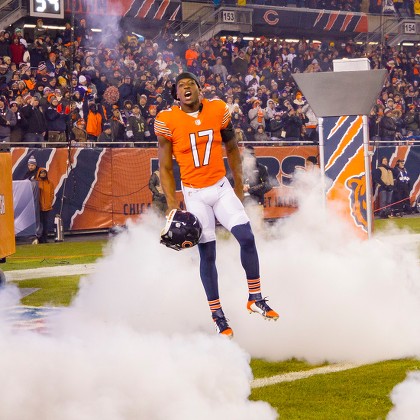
[27, 98]
[105, 138]
[32, 168]
[42, 67]
[79, 131]
[56, 121]
[46, 200]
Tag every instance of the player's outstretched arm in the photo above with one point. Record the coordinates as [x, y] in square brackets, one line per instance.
[167, 178]
[235, 164]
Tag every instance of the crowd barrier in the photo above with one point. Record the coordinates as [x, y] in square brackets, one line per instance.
[98, 188]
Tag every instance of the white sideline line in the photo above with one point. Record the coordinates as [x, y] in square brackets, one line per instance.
[56, 271]
[294, 376]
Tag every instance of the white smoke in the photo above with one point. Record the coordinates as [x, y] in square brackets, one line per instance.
[405, 397]
[139, 342]
[136, 344]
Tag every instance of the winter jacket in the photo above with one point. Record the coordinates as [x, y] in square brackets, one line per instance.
[35, 119]
[94, 123]
[258, 181]
[46, 192]
[137, 126]
[79, 134]
[55, 120]
[387, 127]
[6, 115]
[384, 177]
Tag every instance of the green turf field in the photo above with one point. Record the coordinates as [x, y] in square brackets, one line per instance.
[51, 254]
[68, 252]
[359, 393]
[53, 291]
[411, 223]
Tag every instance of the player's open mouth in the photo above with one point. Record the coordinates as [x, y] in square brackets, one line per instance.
[187, 95]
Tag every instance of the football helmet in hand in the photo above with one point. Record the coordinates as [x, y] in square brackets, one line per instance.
[182, 230]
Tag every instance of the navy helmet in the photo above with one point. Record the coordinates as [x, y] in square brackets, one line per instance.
[182, 230]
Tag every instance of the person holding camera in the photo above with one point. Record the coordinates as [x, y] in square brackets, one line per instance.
[7, 120]
[255, 177]
[292, 125]
[117, 126]
[36, 123]
[56, 122]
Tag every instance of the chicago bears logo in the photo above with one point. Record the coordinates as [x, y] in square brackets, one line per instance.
[358, 204]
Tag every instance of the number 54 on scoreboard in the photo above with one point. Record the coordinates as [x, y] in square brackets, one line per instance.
[47, 8]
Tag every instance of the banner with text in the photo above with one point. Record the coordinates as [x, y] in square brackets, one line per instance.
[99, 188]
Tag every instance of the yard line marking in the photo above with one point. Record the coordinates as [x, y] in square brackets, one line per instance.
[294, 376]
[57, 271]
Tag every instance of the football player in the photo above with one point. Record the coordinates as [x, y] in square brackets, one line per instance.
[194, 133]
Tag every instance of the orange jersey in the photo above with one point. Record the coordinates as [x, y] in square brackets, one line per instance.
[196, 141]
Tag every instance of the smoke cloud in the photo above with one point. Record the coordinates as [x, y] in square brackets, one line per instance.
[138, 340]
[405, 397]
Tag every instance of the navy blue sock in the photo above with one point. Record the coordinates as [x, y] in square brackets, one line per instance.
[208, 273]
[249, 254]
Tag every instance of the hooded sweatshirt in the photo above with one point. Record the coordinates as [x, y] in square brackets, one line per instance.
[46, 191]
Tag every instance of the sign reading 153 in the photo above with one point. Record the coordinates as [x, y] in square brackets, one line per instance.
[228, 16]
[46, 8]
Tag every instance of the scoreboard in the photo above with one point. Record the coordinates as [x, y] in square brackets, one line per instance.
[47, 8]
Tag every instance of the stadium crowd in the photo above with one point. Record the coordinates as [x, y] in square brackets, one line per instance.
[109, 89]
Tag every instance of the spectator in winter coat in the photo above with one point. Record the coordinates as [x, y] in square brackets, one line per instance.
[79, 133]
[117, 126]
[17, 50]
[56, 122]
[387, 127]
[277, 126]
[220, 69]
[7, 120]
[402, 187]
[126, 90]
[191, 54]
[46, 200]
[255, 177]
[94, 122]
[261, 136]
[256, 115]
[32, 171]
[4, 45]
[106, 136]
[412, 120]
[292, 125]
[137, 126]
[240, 64]
[35, 121]
[16, 132]
[384, 179]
